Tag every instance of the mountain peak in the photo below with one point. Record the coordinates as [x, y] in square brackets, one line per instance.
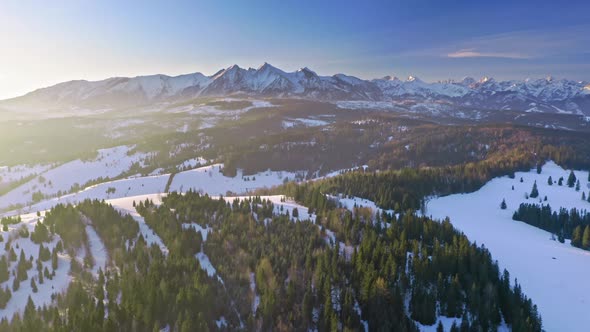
[266, 66]
[413, 79]
[486, 79]
[307, 72]
[390, 78]
[467, 80]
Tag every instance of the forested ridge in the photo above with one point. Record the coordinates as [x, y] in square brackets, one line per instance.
[272, 273]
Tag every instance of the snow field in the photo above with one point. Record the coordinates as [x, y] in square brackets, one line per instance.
[109, 163]
[211, 181]
[552, 274]
[59, 283]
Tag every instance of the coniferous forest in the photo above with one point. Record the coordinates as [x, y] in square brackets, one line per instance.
[570, 224]
[272, 273]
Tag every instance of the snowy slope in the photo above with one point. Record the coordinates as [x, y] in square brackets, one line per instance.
[58, 284]
[287, 205]
[16, 173]
[109, 163]
[210, 180]
[551, 273]
[125, 205]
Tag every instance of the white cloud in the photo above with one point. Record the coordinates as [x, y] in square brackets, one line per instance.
[472, 53]
[524, 44]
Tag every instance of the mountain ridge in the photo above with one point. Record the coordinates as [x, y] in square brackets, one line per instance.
[543, 95]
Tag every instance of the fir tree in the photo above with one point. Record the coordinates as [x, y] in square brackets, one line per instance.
[534, 191]
[54, 259]
[583, 196]
[586, 238]
[521, 180]
[539, 168]
[34, 285]
[4, 273]
[12, 255]
[503, 204]
[577, 236]
[560, 237]
[550, 181]
[560, 182]
[15, 284]
[571, 180]
[578, 185]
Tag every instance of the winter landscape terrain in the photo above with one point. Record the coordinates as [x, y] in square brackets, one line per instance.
[146, 184]
[350, 160]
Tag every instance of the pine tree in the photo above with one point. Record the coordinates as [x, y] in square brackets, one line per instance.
[560, 237]
[577, 236]
[586, 238]
[578, 185]
[560, 182]
[583, 196]
[571, 180]
[521, 180]
[4, 274]
[54, 259]
[534, 191]
[589, 197]
[550, 181]
[439, 327]
[503, 204]
[33, 285]
[539, 168]
[15, 284]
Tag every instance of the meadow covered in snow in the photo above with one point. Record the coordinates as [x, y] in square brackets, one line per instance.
[553, 274]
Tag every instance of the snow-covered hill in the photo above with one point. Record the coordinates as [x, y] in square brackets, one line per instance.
[544, 95]
[553, 274]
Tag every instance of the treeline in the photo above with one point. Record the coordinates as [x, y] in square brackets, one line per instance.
[571, 224]
[407, 188]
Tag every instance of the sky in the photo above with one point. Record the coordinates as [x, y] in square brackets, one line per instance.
[46, 42]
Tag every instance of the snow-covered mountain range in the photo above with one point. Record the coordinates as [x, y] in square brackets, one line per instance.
[540, 95]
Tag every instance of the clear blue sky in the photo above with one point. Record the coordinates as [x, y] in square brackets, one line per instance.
[45, 42]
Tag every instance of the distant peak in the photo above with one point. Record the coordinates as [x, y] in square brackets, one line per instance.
[390, 78]
[233, 67]
[549, 78]
[467, 80]
[266, 65]
[413, 79]
[307, 71]
[486, 79]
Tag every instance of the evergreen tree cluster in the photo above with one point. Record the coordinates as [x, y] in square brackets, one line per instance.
[567, 224]
[302, 280]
